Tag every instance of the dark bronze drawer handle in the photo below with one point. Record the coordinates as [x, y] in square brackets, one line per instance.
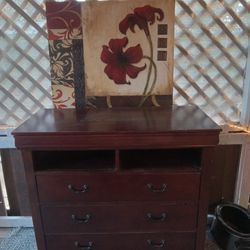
[157, 190]
[81, 220]
[162, 217]
[84, 247]
[83, 189]
[154, 244]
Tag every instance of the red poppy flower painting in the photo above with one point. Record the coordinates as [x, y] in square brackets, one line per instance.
[119, 48]
[142, 17]
[121, 45]
[120, 63]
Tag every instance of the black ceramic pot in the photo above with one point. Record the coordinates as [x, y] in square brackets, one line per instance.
[231, 227]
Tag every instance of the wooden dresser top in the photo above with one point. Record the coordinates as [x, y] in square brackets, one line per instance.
[54, 127]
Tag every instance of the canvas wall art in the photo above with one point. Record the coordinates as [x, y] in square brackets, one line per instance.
[124, 51]
[64, 23]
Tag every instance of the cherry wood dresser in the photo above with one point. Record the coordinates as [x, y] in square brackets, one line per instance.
[119, 179]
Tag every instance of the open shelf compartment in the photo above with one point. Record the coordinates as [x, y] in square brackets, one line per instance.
[152, 159]
[74, 160]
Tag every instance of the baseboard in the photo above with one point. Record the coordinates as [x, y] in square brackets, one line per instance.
[16, 221]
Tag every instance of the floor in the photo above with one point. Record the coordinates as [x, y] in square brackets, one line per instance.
[210, 244]
[4, 232]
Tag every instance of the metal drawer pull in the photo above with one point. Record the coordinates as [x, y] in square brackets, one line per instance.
[162, 217]
[157, 190]
[154, 244]
[83, 189]
[84, 247]
[81, 220]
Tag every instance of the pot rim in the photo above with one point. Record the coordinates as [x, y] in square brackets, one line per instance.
[232, 230]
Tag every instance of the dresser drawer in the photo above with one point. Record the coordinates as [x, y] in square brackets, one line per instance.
[135, 241]
[144, 217]
[101, 187]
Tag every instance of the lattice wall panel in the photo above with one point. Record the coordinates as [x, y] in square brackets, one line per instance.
[24, 79]
[210, 55]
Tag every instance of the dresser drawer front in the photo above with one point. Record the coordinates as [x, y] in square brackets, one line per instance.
[80, 187]
[146, 217]
[136, 241]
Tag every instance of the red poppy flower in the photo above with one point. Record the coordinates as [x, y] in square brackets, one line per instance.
[119, 63]
[141, 17]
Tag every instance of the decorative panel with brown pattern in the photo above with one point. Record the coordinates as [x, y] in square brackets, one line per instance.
[64, 20]
[64, 24]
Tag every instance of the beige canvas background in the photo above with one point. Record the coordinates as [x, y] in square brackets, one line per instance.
[101, 23]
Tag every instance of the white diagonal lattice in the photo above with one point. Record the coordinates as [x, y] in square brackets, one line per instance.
[211, 38]
[24, 78]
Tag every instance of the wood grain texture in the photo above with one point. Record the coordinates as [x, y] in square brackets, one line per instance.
[118, 128]
[131, 216]
[207, 162]
[223, 174]
[36, 216]
[152, 159]
[124, 241]
[114, 186]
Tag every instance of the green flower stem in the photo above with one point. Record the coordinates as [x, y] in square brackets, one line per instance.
[150, 65]
[145, 96]
[154, 81]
